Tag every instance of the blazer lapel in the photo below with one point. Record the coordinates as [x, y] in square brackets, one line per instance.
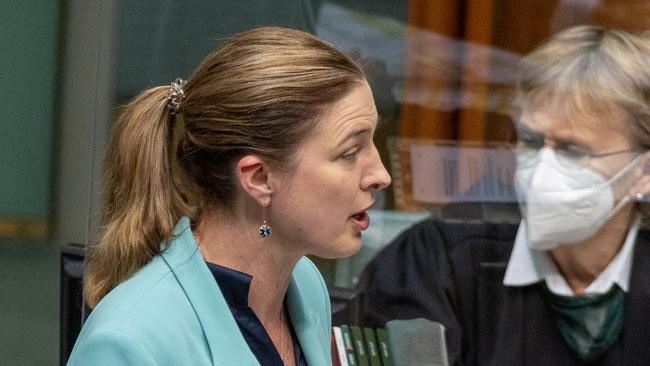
[636, 332]
[306, 323]
[227, 345]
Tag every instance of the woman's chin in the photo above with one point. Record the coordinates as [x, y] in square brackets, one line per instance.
[342, 250]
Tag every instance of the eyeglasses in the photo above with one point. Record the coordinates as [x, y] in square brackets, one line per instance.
[530, 143]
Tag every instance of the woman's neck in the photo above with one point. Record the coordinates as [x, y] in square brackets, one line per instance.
[236, 244]
[580, 263]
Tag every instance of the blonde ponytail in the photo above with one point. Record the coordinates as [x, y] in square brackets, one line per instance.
[142, 199]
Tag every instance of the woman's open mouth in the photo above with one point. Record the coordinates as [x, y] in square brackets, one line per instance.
[361, 220]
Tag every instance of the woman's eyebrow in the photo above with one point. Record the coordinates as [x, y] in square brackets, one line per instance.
[570, 141]
[524, 128]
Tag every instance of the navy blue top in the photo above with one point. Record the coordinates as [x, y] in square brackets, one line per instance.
[234, 286]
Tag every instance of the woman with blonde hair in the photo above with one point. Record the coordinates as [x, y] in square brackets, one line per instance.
[570, 284]
[215, 191]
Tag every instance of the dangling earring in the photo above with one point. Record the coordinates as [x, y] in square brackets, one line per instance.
[265, 230]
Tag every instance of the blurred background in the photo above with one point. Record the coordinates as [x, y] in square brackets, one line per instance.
[441, 70]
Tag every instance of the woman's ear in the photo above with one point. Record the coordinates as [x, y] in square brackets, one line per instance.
[645, 163]
[253, 175]
[641, 187]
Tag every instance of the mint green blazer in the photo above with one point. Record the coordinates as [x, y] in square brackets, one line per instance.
[171, 312]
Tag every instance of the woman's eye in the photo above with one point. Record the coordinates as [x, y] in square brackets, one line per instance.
[351, 155]
[573, 152]
[531, 141]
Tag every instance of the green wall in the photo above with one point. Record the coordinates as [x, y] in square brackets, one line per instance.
[29, 281]
[27, 95]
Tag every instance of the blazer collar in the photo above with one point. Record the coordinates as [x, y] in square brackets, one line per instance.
[306, 322]
[227, 345]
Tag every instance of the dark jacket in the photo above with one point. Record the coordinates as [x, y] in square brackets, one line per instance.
[453, 273]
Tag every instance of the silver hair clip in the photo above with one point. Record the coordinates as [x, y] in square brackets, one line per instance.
[176, 95]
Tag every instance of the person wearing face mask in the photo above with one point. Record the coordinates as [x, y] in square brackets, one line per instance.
[570, 284]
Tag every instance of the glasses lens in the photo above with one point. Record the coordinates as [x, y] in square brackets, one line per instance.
[571, 158]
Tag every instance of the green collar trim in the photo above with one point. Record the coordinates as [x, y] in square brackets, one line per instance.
[590, 324]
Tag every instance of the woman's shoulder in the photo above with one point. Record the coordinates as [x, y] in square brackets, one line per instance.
[149, 311]
[443, 237]
[143, 299]
[430, 248]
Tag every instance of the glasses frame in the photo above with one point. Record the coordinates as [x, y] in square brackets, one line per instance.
[544, 142]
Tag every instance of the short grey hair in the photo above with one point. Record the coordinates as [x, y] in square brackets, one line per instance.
[587, 68]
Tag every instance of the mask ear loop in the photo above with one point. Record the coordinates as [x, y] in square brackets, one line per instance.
[628, 196]
[624, 201]
[642, 184]
[621, 173]
[638, 196]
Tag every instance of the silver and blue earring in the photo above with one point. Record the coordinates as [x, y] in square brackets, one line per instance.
[265, 229]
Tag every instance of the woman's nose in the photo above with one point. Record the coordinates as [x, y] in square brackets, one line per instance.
[377, 177]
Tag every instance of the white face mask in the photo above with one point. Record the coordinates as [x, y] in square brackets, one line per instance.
[563, 205]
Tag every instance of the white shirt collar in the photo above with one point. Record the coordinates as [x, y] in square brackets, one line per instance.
[528, 266]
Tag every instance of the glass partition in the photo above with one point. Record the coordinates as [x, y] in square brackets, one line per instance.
[442, 74]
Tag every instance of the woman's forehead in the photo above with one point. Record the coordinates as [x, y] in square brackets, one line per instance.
[565, 110]
[355, 108]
